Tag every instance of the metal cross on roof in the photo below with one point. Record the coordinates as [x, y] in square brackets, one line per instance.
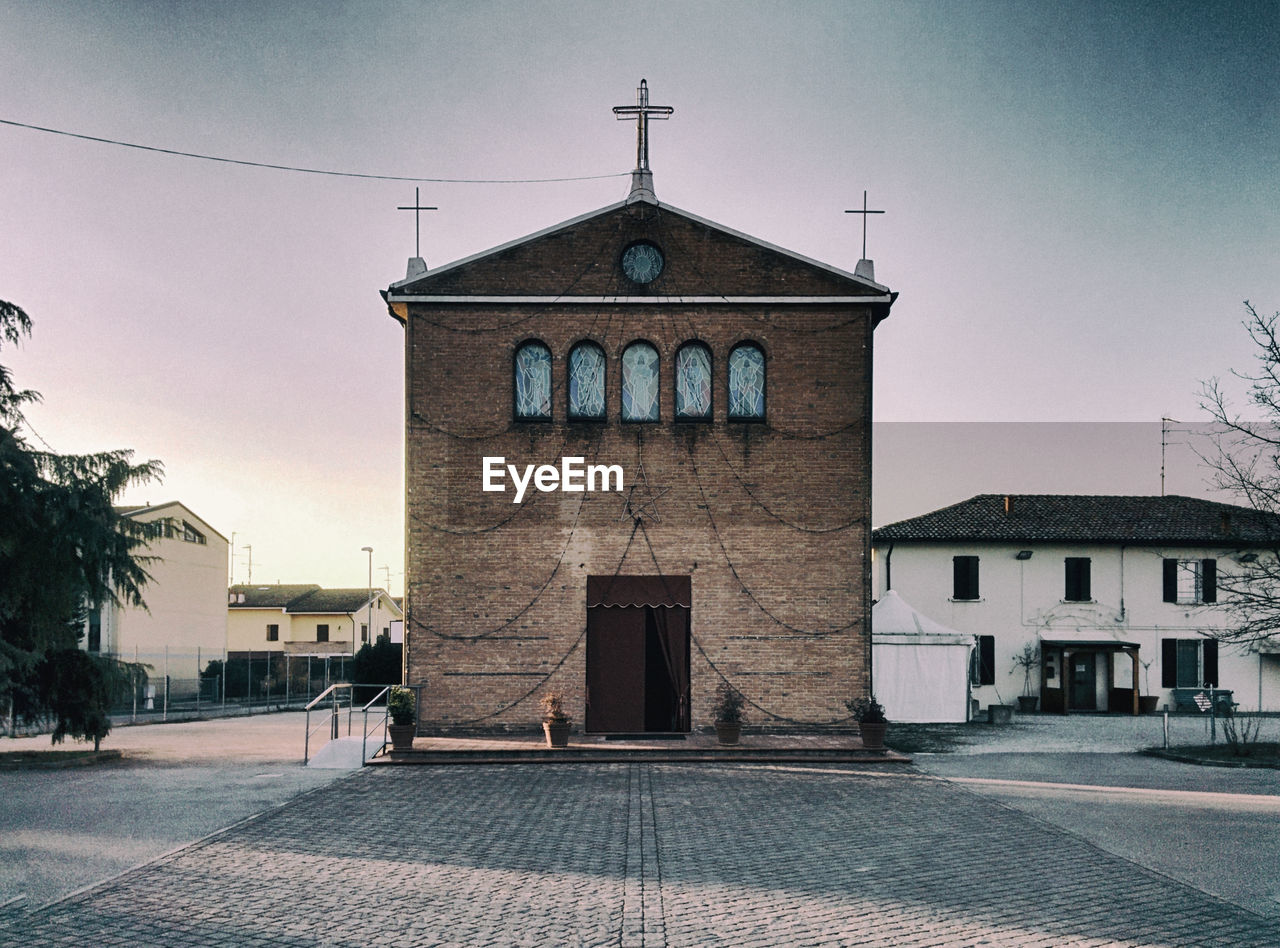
[417, 232]
[642, 111]
[864, 212]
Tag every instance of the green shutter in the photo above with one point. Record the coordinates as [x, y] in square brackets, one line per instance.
[1077, 570]
[1209, 580]
[964, 577]
[1211, 662]
[1168, 663]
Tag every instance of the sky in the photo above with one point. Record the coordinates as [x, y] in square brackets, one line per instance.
[1079, 197]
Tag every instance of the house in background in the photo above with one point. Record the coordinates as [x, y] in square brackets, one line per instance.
[306, 619]
[1118, 593]
[185, 619]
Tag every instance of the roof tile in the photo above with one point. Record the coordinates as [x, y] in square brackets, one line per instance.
[1096, 518]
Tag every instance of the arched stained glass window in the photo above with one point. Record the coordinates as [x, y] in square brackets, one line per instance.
[640, 382]
[533, 382]
[746, 382]
[586, 381]
[693, 382]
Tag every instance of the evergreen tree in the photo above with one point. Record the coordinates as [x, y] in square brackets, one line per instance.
[63, 546]
[378, 663]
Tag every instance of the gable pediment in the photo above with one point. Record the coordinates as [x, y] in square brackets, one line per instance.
[583, 258]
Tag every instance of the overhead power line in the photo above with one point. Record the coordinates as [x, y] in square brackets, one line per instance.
[298, 170]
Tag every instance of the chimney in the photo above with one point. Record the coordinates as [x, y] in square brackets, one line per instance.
[1008, 505]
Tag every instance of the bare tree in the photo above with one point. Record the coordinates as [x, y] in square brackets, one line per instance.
[1245, 461]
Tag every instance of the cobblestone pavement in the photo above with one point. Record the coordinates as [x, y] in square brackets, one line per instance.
[1076, 733]
[641, 855]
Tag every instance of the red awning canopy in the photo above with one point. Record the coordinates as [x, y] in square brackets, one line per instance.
[639, 591]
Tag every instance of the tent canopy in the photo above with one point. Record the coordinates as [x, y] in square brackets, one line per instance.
[920, 668]
[891, 616]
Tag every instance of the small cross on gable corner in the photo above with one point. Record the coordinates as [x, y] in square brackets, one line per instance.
[417, 266]
[866, 268]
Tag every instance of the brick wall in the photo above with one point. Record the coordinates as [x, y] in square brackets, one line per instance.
[771, 520]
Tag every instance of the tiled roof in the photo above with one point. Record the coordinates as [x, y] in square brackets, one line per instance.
[299, 597]
[332, 600]
[267, 597]
[1087, 518]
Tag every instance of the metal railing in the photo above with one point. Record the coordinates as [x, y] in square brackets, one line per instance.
[386, 718]
[331, 704]
[332, 694]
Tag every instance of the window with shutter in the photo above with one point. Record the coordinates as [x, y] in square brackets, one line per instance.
[1191, 582]
[1188, 663]
[1077, 575]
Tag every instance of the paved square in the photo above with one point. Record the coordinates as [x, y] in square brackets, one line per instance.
[641, 854]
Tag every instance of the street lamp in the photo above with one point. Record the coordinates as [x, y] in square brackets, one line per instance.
[369, 627]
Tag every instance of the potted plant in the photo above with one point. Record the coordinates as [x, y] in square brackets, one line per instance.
[555, 723]
[1147, 703]
[728, 713]
[1027, 659]
[872, 723]
[401, 708]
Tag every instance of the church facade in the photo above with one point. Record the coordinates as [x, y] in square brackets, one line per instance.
[637, 465]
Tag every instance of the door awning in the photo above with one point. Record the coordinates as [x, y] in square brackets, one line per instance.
[639, 591]
[1077, 638]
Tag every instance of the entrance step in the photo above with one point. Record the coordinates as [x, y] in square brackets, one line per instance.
[599, 748]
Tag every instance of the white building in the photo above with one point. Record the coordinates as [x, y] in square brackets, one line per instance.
[1118, 594]
[185, 620]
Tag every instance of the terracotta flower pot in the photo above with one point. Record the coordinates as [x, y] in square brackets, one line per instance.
[728, 732]
[557, 733]
[1147, 704]
[1027, 703]
[402, 736]
[873, 734]
[999, 713]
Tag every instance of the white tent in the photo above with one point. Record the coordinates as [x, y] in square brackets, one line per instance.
[920, 668]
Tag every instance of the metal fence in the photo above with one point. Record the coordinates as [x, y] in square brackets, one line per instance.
[1213, 728]
[182, 684]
